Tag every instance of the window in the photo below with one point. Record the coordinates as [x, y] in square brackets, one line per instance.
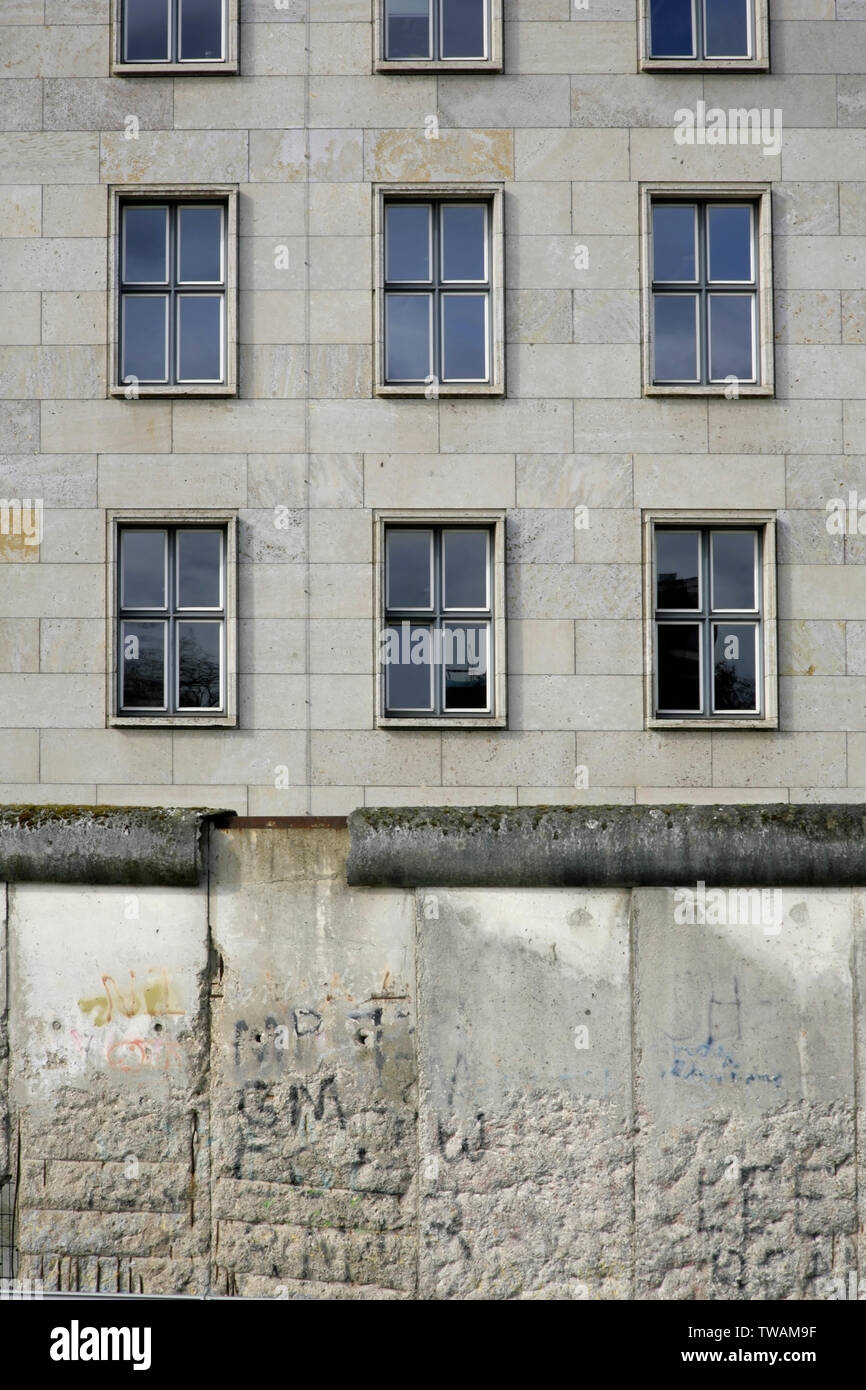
[712, 622]
[441, 308]
[440, 34]
[172, 293]
[705, 33]
[441, 630]
[708, 302]
[174, 311]
[189, 35]
[174, 638]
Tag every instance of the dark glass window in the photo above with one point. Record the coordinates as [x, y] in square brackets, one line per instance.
[437, 292]
[704, 293]
[707, 607]
[436, 645]
[701, 28]
[171, 620]
[179, 31]
[172, 293]
[434, 29]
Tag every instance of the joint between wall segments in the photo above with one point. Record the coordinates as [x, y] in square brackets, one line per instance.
[418, 899]
[632, 971]
[858, 925]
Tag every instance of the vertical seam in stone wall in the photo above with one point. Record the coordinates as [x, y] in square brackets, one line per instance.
[5, 1061]
[419, 917]
[308, 570]
[632, 1086]
[13, 1125]
[16, 1199]
[206, 1191]
[857, 923]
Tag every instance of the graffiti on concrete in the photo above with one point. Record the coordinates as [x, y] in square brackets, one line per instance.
[136, 1054]
[156, 996]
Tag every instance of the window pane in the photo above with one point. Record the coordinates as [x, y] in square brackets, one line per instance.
[731, 339]
[409, 668]
[677, 569]
[145, 254]
[727, 29]
[679, 667]
[735, 680]
[407, 242]
[201, 29]
[675, 337]
[464, 334]
[146, 31]
[464, 660]
[671, 29]
[733, 562]
[408, 29]
[465, 566]
[730, 241]
[199, 329]
[145, 337]
[407, 337]
[142, 569]
[463, 28]
[142, 669]
[198, 569]
[674, 227]
[199, 647]
[464, 228]
[409, 567]
[200, 245]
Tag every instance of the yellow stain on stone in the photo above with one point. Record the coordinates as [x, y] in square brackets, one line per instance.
[456, 154]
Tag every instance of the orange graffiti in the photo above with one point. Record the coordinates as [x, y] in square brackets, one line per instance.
[133, 1054]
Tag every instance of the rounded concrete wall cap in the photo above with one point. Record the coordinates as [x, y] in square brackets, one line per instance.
[608, 846]
[143, 846]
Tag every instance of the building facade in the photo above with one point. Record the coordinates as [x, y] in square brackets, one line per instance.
[432, 405]
[574, 448]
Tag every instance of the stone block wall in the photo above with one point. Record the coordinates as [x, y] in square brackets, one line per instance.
[571, 128]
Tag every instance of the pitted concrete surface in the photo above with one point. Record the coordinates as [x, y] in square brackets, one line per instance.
[282, 1086]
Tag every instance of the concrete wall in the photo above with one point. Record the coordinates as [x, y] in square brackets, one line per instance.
[571, 127]
[279, 1085]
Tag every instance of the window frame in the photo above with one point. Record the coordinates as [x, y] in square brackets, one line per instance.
[492, 194]
[179, 520]
[463, 519]
[493, 62]
[758, 62]
[227, 64]
[759, 195]
[122, 195]
[764, 523]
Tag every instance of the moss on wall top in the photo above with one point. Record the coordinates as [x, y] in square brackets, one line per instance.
[137, 845]
[615, 846]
